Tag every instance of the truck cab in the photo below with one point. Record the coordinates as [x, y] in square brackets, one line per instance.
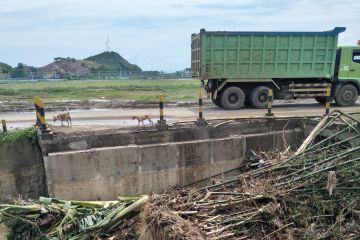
[349, 65]
[347, 75]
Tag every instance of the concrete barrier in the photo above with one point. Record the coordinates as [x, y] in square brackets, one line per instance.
[124, 137]
[21, 171]
[105, 173]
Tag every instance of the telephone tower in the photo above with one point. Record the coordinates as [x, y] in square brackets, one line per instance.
[107, 44]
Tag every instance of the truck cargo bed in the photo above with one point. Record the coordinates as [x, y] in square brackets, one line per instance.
[264, 55]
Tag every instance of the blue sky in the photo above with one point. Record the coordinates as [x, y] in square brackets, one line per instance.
[154, 34]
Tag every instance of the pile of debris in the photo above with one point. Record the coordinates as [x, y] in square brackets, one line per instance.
[314, 194]
[51, 218]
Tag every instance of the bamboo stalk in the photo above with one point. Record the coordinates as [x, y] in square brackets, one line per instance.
[335, 157]
[132, 208]
[312, 135]
[317, 172]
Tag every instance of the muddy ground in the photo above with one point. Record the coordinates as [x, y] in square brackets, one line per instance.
[53, 106]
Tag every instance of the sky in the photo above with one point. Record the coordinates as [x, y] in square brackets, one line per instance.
[154, 34]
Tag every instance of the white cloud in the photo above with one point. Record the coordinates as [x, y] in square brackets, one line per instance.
[154, 34]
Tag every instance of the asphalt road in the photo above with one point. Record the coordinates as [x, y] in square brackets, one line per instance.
[123, 117]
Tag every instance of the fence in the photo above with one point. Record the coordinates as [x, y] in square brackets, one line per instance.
[37, 75]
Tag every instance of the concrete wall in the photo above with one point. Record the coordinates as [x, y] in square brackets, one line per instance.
[82, 141]
[105, 173]
[21, 171]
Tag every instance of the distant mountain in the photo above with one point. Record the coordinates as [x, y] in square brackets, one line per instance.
[112, 61]
[68, 67]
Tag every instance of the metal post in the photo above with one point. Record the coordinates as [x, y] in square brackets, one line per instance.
[161, 124]
[200, 122]
[270, 102]
[3, 122]
[328, 100]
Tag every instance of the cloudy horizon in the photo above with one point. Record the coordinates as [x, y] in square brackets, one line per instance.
[154, 34]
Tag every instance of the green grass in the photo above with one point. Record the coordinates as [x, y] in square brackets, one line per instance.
[19, 135]
[142, 90]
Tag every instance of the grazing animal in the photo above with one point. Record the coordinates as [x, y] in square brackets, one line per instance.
[63, 117]
[142, 118]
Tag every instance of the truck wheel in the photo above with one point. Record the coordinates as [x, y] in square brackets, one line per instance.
[232, 98]
[259, 97]
[216, 101]
[346, 96]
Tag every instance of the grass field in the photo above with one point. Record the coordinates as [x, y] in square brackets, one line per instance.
[141, 90]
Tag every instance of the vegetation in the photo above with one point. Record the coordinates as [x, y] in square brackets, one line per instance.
[19, 135]
[5, 68]
[112, 61]
[141, 90]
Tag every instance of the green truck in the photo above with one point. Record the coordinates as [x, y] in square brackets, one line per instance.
[239, 68]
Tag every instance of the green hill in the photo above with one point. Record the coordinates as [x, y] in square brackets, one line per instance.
[5, 68]
[112, 61]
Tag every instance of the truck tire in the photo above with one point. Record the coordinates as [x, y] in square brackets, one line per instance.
[259, 97]
[216, 101]
[346, 96]
[232, 98]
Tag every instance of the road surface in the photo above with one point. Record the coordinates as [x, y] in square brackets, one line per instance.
[123, 117]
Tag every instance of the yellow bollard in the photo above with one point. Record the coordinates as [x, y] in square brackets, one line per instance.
[270, 102]
[40, 113]
[200, 122]
[161, 106]
[328, 100]
[161, 124]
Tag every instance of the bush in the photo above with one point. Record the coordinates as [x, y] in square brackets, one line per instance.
[19, 135]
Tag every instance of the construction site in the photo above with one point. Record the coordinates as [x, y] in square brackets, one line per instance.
[242, 134]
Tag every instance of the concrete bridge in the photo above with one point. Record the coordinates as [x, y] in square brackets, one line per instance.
[107, 163]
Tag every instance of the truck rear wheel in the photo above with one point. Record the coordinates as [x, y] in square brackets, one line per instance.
[232, 98]
[259, 97]
[216, 101]
[346, 96]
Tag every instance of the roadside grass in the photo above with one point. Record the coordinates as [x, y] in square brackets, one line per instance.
[141, 90]
[19, 135]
